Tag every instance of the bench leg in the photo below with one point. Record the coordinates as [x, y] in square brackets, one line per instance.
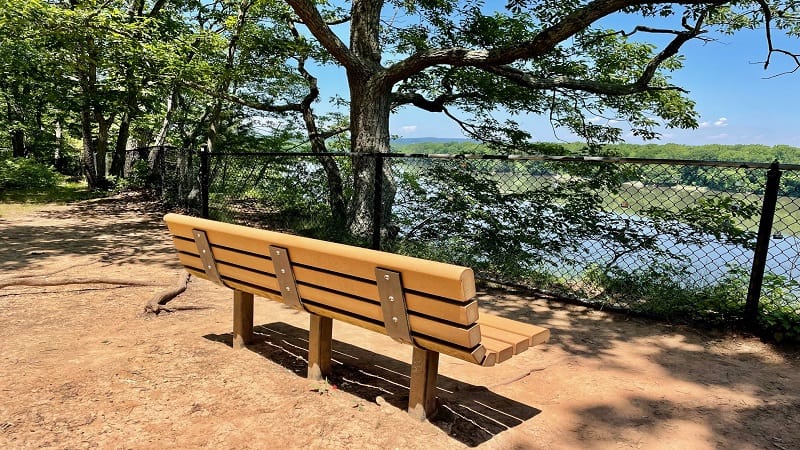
[320, 335]
[242, 319]
[422, 395]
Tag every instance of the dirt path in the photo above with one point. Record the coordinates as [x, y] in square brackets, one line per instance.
[81, 367]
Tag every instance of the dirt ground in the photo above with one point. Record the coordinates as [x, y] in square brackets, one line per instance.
[81, 366]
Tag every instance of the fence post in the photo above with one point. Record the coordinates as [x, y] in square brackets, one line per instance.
[377, 202]
[204, 180]
[762, 244]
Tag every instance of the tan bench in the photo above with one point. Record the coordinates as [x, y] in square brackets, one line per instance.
[426, 304]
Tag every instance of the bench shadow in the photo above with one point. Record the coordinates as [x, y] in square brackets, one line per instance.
[470, 414]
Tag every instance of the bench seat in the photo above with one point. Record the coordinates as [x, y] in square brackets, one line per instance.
[339, 282]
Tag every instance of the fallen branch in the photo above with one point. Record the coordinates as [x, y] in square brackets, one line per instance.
[156, 304]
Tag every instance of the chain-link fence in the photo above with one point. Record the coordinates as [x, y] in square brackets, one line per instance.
[675, 239]
[668, 238]
[168, 173]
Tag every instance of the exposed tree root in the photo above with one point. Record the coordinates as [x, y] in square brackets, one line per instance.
[156, 304]
[526, 374]
[66, 281]
[51, 273]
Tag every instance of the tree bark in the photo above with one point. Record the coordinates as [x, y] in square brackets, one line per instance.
[369, 127]
[161, 137]
[88, 153]
[121, 146]
[101, 149]
[18, 143]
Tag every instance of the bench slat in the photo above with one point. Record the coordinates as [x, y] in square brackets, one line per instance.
[335, 281]
[473, 355]
[518, 342]
[459, 313]
[467, 337]
[440, 279]
[537, 335]
[503, 350]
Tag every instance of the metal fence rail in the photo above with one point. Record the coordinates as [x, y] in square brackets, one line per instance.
[677, 239]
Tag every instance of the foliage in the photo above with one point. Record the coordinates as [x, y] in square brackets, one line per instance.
[23, 173]
[779, 312]
[138, 179]
[656, 291]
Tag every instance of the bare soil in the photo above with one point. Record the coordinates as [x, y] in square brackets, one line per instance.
[81, 366]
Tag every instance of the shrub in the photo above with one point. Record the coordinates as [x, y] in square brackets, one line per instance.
[779, 309]
[27, 174]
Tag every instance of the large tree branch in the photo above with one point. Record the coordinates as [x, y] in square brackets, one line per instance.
[642, 84]
[541, 44]
[594, 87]
[157, 8]
[268, 107]
[436, 105]
[310, 16]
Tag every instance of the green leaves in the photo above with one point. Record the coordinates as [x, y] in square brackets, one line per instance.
[22, 173]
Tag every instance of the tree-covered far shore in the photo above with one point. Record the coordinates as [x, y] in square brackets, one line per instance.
[784, 154]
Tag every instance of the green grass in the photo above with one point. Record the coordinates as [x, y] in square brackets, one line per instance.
[14, 203]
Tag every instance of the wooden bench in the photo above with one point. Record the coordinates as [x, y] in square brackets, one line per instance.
[426, 304]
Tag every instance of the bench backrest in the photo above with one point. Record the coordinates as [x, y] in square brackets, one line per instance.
[338, 281]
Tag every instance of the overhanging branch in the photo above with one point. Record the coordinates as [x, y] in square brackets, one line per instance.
[307, 11]
[544, 42]
[642, 84]
[268, 107]
[765, 9]
[435, 105]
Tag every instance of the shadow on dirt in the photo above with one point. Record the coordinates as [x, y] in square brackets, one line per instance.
[720, 364]
[106, 229]
[470, 414]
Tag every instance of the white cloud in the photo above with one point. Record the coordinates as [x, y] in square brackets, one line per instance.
[704, 124]
[718, 136]
[595, 119]
[408, 129]
[721, 122]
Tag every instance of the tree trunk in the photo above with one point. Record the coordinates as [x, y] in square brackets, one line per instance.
[101, 149]
[88, 153]
[161, 137]
[58, 152]
[121, 146]
[370, 96]
[333, 176]
[18, 143]
[369, 128]
[17, 134]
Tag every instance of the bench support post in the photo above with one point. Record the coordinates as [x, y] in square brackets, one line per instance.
[242, 319]
[422, 395]
[320, 335]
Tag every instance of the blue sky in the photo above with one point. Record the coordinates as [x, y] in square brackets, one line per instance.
[738, 102]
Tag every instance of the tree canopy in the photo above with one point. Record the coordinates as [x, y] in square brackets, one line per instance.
[116, 74]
